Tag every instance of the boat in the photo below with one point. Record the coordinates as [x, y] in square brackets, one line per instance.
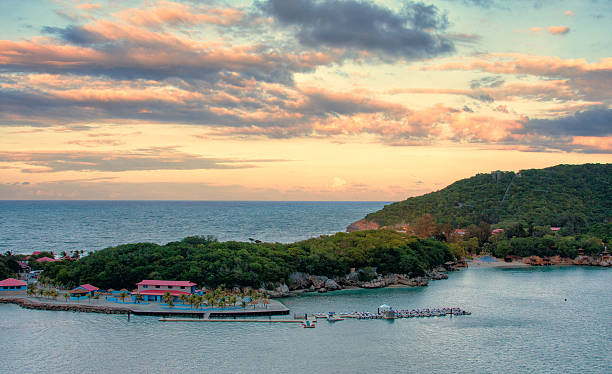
[333, 317]
[308, 324]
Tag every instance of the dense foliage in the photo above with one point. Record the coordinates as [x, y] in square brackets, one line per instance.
[8, 266]
[211, 263]
[569, 196]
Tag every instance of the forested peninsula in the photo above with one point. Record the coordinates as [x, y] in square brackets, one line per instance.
[319, 262]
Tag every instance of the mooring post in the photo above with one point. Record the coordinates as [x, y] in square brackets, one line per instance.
[129, 313]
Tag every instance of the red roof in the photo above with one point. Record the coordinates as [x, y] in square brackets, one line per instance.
[45, 259]
[148, 282]
[12, 282]
[35, 253]
[88, 287]
[161, 292]
[555, 228]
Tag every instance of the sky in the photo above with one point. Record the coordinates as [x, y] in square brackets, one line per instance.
[295, 99]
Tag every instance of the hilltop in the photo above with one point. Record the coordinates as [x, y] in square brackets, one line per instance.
[572, 197]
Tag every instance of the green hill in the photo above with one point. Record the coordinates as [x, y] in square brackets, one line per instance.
[570, 196]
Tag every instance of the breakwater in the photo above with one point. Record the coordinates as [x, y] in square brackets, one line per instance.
[24, 303]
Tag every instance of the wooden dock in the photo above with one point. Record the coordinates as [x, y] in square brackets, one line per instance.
[251, 320]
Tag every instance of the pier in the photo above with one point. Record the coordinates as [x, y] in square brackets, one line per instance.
[250, 320]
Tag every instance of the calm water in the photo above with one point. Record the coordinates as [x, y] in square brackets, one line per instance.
[520, 324]
[27, 226]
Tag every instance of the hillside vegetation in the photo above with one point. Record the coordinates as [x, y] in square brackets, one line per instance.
[572, 197]
[210, 263]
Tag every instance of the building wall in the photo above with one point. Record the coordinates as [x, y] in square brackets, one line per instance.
[166, 288]
[6, 290]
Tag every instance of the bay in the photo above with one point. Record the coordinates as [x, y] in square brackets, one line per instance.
[526, 320]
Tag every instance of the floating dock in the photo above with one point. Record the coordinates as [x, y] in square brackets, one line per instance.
[251, 320]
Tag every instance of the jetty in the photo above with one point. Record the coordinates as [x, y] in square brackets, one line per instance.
[246, 320]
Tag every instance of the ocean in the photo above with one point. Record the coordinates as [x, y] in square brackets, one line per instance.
[27, 226]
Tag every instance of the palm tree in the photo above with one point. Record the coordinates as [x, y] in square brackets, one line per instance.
[139, 298]
[243, 303]
[89, 297]
[66, 296]
[41, 292]
[31, 290]
[123, 295]
[183, 298]
[167, 297]
[233, 299]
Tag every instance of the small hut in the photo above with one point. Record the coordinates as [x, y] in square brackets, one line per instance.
[84, 290]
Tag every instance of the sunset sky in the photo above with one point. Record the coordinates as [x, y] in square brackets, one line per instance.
[295, 99]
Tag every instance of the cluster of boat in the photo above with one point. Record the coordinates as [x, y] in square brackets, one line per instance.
[390, 314]
[435, 312]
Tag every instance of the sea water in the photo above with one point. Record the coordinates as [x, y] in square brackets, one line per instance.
[527, 320]
[27, 226]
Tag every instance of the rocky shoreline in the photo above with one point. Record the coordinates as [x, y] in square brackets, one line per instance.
[299, 283]
[24, 303]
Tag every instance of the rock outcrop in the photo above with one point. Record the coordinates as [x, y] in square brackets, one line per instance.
[362, 225]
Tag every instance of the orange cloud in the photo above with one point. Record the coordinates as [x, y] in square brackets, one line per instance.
[558, 30]
[166, 12]
[535, 30]
[89, 6]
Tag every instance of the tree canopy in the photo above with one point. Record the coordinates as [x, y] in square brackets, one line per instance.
[211, 263]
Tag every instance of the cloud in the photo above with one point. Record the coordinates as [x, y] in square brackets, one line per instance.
[338, 183]
[558, 30]
[491, 81]
[143, 159]
[177, 14]
[415, 32]
[592, 123]
[591, 81]
[535, 30]
[124, 51]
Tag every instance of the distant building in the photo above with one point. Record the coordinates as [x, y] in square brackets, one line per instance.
[461, 232]
[11, 286]
[154, 290]
[497, 231]
[45, 259]
[555, 228]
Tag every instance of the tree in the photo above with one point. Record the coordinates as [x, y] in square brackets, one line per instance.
[66, 296]
[183, 298]
[167, 298]
[425, 226]
[123, 295]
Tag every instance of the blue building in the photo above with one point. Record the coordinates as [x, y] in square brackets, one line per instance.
[12, 286]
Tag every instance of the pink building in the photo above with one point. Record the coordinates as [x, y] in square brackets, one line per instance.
[45, 259]
[154, 290]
